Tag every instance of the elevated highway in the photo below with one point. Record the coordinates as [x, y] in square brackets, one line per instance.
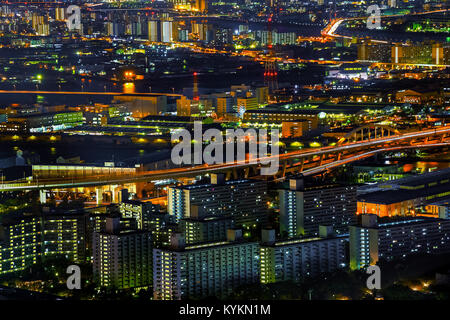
[308, 162]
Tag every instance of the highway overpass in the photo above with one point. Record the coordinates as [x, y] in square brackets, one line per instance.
[308, 162]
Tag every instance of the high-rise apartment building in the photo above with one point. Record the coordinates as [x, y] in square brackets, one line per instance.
[197, 106]
[225, 105]
[262, 95]
[36, 20]
[164, 30]
[303, 209]
[20, 243]
[421, 53]
[25, 240]
[201, 5]
[148, 217]
[60, 14]
[396, 238]
[65, 235]
[141, 211]
[206, 229]
[122, 258]
[202, 31]
[374, 52]
[153, 30]
[204, 270]
[168, 31]
[246, 103]
[297, 259]
[115, 28]
[243, 200]
[188, 107]
[278, 38]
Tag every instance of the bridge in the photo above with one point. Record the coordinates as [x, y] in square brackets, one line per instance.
[334, 164]
[367, 132]
[331, 28]
[90, 93]
[308, 162]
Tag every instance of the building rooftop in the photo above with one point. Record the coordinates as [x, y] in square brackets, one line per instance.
[399, 195]
[156, 118]
[445, 201]
[304, 240]
[42, 114]
[296, 111]
[208, 185]
[208, 219]
[217, 244]
[422, 180]
[392, 222]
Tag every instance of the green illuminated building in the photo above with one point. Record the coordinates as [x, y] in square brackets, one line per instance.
[298, 259]
[122, 258]
[66, 235]
[20, 243]
[204, 270]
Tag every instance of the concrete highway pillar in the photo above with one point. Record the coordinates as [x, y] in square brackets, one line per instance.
[302, 164]
[114, 194]
[322, 157]
[283, 171]
[246, 172]
[99, 195]
[42, 196]
[235, 174]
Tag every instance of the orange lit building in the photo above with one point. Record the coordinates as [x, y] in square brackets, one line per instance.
[294, 129]
[402, 197]
[279, 116]
[413, 96]
[18, 126]
[143, 105]
[383, 208]
[439, 209]
[201, 5]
